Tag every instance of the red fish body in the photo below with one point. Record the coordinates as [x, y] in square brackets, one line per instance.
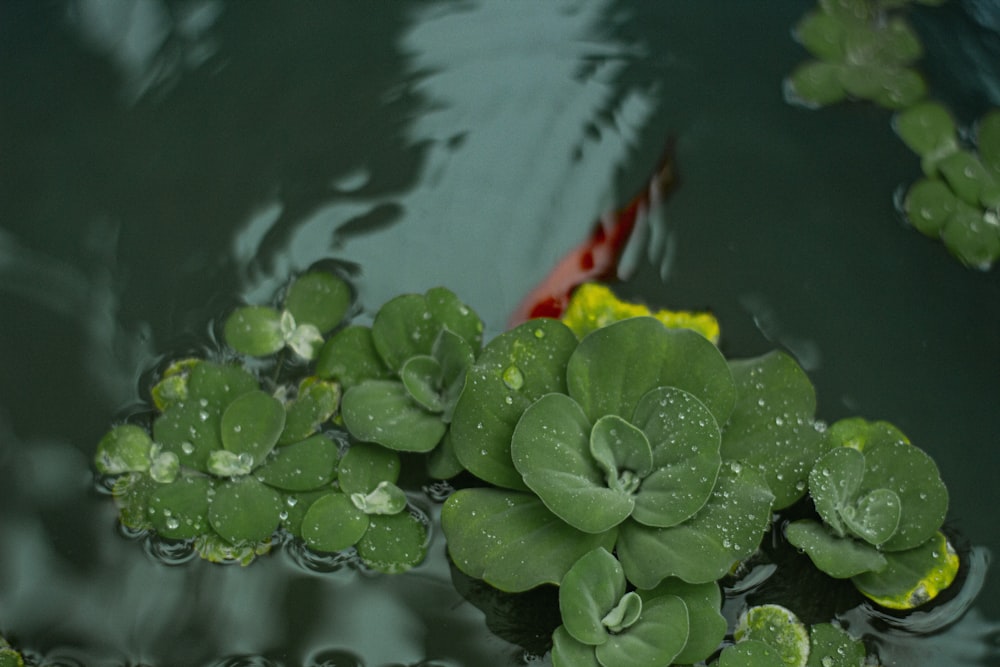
[597, 257]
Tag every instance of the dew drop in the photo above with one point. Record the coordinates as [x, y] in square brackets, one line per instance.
[187, 447]
[513, 377]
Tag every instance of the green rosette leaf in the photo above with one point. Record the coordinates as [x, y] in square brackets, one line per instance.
[568, 652]
[393, 543]
[350, 357]
[929, 204]
[727, 529]
[316, 403]
[900, 88]
[771, 427]
[831, 646]
[891, 462]
[244, 510]
[179, 510]
[254, 330]
[422, 375]
[779, 628]
[213, 386]
[834, 484]
[613, 367]
[912, 577]
[551, 447]
[383, 411]
[252, 424]
[706, 625]
[304, 466]
[318, 298]
[655, 639]
[364, 466]
[588, 592]
[386, 498]
[511, 540]
[190, 431]
[125, 448]
[685, 445]
[408, 325]
[297, 504]
[333, 523]
[493, 400]
[839, 557]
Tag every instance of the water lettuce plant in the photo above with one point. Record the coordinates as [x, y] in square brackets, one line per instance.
[403, 376]
[640, 439]
[8, 656]
[958, 200]
[620, 457]
[231, 459]
[881, 503]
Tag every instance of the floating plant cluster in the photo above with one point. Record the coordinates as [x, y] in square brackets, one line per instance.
[616, 454]
[865, 52]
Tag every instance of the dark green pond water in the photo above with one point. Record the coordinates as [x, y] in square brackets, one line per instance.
[161, 160]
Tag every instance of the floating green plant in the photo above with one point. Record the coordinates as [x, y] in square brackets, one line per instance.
[624, 460]
[958, 200]
[861, 51]
[314, 304]
[227, 463]
[403, 376]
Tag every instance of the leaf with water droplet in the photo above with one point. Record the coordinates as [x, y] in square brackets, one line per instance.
[252, 424]
[779, 628]
[589, 591]
[771, 427]
[333, 523]
[727, 529]
[254, 330]
[179, 510]
[190, 431]
[303, 466]
[928, 205]
[927, 128]
[224, 463]
[422, 376]
[839, 557]
[164, 466]
[214, 386]
[315, 404]
[173, 386]
[386, 498]
[318, 298]
[131, 492]
[365, 465]
[510, 540]
[244, 510]
[551, 449]
[816, 84]
[393, 543]
[656, 637]
[831, 646]
[408, 325]
[966, 176]
[383, 411]
[685, 446]
[488, 409]
[706, 625]
[751, 653]
[613, 367]
[350, 357]
[912, 577]
[568, 652]
[297, 504]
[124, 448]
[971, 239]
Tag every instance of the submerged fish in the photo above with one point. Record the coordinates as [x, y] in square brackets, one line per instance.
[597, 257]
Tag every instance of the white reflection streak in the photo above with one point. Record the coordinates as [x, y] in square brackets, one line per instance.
[112, 355]
[496, 210]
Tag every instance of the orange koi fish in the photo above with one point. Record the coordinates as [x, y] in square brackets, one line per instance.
[597, 257]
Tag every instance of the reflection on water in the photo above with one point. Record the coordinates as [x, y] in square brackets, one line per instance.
[162, 158]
